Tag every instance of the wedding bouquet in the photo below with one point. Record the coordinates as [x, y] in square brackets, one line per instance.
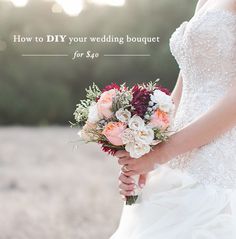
[121, 118]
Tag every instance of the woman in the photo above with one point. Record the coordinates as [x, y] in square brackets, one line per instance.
[190, 181]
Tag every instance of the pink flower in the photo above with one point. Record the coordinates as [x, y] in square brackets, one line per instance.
[104, 104]
[160, 119]
[113, 132]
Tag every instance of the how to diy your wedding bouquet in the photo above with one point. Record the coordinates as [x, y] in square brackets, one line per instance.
[125, 118]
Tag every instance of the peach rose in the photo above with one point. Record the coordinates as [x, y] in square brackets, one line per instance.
[160, 119]
[113, 132]
[104, 104]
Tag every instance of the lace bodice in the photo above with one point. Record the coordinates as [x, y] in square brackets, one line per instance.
[205, 49]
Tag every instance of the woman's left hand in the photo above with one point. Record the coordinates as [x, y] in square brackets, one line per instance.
[131, 166]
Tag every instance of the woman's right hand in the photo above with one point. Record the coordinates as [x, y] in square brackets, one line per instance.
[127, 185]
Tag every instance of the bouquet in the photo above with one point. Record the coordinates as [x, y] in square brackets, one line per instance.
[118, 117]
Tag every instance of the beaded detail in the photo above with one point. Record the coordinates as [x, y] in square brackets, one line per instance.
[205, 49]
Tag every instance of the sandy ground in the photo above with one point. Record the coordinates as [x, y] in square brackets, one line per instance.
[50, 190]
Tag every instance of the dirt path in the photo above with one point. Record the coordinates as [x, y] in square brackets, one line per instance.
[49, 190]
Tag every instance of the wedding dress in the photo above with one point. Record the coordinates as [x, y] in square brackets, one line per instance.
[193, 196]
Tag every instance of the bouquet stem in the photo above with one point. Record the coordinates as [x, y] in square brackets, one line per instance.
[131, 199]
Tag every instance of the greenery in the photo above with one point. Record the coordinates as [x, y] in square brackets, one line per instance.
[93, 92]
[122, 100]
[82, 109]
[45, 90]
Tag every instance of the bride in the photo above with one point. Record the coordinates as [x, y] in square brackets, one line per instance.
[189, 182]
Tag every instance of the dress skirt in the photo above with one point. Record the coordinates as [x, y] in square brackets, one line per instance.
[173, 205]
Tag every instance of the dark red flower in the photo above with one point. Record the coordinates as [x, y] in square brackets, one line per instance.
[163, 89]
[141, 98]
[111, 86]
[108, 150]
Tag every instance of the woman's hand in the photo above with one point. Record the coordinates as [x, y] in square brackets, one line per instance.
[143, 165]
[127, 186]
[131, 166]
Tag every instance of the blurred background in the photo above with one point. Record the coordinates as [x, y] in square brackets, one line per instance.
[48, 188]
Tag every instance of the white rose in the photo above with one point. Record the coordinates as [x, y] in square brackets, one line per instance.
[123, 115]
[144, 136]
[93, 116]
[163, 100]
[137, 150]
[128, 136]
[136, 123]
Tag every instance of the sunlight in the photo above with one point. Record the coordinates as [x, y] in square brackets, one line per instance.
[19, 3]
[116, 3]
[71, 7]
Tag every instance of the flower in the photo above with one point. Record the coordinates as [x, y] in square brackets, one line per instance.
[137, 150]
[160, 119]
[144, 136]
[86, 134]
[111, 86]
[128, 136]
[104, 104]
[163, 100]
[140, 101]
[136, 123]
[113, 132]
[165, 90]
[93, 115]
[123, 115]
[107, 149]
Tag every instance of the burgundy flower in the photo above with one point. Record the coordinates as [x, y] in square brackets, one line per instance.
[108, 150]
[165, 90]
[111, 86]
[141, 98]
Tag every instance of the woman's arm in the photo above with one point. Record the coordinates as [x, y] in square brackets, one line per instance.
[218, 120]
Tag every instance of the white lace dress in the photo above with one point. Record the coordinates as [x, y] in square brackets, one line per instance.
[194, 195]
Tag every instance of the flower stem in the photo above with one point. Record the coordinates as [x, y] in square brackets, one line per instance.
[131, 199]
